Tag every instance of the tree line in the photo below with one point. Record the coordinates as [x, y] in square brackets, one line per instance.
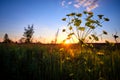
[27, 36]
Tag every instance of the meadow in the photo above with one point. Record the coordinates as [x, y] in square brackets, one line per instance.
[59, 62]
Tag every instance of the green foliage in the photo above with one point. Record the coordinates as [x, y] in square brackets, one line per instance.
[83, 30]
[28, 33]
[57, 62]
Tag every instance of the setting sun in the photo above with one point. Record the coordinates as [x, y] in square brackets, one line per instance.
[67, 42]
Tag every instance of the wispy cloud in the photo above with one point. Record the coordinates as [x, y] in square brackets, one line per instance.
[63, 3]
[70, 2]
[87, 4]
[66, 3]
[91, 7]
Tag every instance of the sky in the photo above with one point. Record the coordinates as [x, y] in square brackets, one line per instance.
[46, 17]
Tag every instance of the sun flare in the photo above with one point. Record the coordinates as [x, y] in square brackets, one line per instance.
[67, 42]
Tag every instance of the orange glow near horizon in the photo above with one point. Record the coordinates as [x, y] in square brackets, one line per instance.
[67, 42]
[60, 39]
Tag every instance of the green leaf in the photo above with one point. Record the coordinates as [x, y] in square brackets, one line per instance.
[106, 19]
[87, 23]
[92, 21]
[104, 32]
[85, 12]
[81, 28]
[92, 27]
[90, 13]
[95, 37]
[79, 15]
[69, 35]
[63, 19]
[70, 28]
[90, 37]
[68, 15]
[77, 22]
[72, 14]
[100, 16]
[63, 30]
[90, 16]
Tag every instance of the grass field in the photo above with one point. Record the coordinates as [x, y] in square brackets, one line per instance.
[59, 62]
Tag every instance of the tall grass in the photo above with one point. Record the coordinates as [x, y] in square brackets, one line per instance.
[58, 62]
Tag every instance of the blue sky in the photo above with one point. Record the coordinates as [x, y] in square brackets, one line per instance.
[46, 16]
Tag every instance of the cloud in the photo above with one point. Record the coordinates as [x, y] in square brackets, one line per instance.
[79, 3]
[63, 3]
[69, 2]
[87, 4]
[91, 7]
[76, 6]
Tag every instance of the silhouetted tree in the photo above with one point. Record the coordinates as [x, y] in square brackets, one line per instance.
[28, 33]
[6, 39]
[22, 40]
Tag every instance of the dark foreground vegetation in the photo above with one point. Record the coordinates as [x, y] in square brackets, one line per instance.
[59, 62]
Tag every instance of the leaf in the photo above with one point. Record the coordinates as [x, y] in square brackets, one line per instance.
[68, 15]
[90, 16]
[63, 30]
[85, 12]
[95, 37]
[90, 13]
[72, 20]
[81, 28]
[104, 32]
[69, 35]
[92, 21]
[90, 37]
[99, 25]
[70, 28]
[72, 14]
[106, 19]
[92, 27]
[77, 22]
[63, 19]
[87, 23]
[69, 23]
[79, 15]
[100, 16]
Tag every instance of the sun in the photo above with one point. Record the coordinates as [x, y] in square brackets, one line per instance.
[67, 42]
